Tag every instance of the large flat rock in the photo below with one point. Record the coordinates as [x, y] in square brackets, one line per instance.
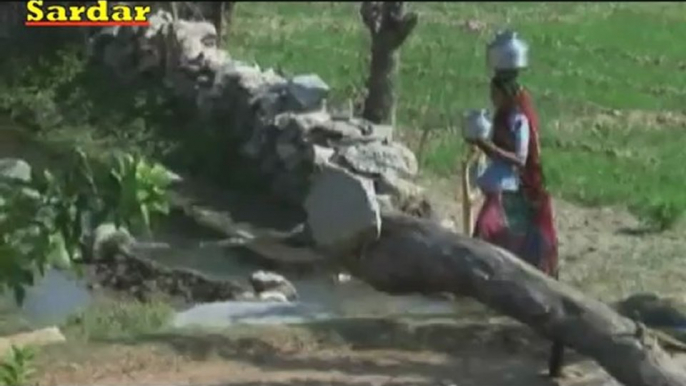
[381, 158]
[341, 208]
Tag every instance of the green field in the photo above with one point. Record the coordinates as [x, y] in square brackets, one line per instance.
[609, 80]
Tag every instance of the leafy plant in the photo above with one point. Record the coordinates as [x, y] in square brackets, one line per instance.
[27, 234]
[136, 190]
[44, 221]
[17, 369]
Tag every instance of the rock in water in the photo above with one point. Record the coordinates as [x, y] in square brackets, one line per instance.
[342, 277]
[342, 209]
[107, 239]
[273, 296]
[272, 286]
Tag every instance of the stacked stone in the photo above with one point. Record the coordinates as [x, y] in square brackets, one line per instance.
[343, 171]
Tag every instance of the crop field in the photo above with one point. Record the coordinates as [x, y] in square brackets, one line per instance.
[609, 81]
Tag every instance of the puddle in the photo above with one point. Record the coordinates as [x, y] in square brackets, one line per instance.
[53, 298]
[320, 297]
[60, 294]
[222, 314]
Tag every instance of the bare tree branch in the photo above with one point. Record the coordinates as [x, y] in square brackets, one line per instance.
[395, 19]
[370, 11]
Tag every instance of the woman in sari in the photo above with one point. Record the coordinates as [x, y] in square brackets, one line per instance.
[517, 210]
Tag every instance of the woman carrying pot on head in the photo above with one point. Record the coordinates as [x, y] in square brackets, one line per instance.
[517, 210]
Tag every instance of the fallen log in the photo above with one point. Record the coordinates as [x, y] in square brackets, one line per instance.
[419, 256]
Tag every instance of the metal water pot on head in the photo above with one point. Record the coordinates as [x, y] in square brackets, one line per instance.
[507, 52]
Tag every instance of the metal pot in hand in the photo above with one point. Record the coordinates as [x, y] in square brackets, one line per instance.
[477, 125]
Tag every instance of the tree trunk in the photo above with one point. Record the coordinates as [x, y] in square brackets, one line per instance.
[378, 107]
[217, 18]
[389, 27]
[418, 256]
[228, 17]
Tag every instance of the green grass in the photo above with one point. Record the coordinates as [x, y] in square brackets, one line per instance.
[588, 60]
[111, 319]
[609, 81]
[106, 318]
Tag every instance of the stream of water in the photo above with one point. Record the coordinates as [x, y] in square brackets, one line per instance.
[319, 296]
[59, 294]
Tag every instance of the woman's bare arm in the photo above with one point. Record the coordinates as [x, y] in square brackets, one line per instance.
[520, 129]
[493, 151]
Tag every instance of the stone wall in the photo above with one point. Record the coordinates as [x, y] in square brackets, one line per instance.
[343, 170]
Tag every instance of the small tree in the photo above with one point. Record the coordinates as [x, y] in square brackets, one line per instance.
[221, 14]
[389, 27]
[45, 221]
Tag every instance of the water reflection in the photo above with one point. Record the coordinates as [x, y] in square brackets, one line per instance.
[227, 313]
[54, 297]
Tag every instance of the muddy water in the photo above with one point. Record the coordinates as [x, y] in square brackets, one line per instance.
[60, 294]
[55, 297]
[320, 297]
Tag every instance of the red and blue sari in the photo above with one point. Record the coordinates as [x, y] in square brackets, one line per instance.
[521, 221]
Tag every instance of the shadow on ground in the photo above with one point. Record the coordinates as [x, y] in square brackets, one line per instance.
[479, 354]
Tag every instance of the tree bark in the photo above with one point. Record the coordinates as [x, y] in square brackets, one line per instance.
[217, 18]
[228, 17]
[389, 27]
[418, 256]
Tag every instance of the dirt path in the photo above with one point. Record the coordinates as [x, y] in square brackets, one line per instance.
[379, 353]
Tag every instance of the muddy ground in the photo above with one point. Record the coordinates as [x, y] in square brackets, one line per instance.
[352, 353]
